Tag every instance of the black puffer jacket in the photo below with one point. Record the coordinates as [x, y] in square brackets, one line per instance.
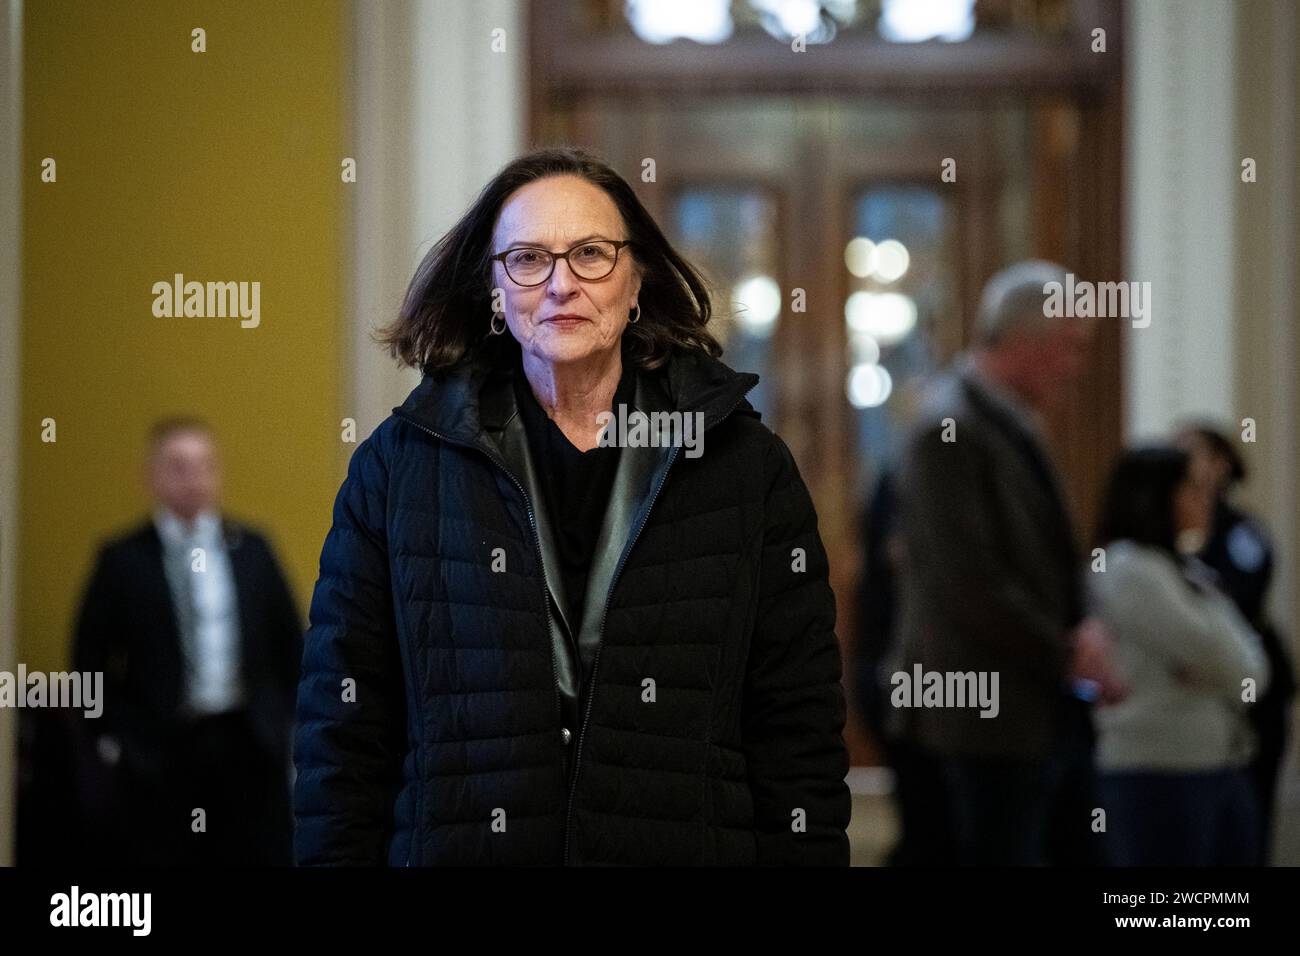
[430, 728]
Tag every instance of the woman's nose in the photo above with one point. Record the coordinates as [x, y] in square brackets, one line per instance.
[562, 278]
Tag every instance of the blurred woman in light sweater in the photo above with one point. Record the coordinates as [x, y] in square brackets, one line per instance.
[1172, 755]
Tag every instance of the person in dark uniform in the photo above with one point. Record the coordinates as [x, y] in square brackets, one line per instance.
[1239, 551]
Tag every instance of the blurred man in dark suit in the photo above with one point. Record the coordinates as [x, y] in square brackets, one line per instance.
[195, 628]
[992, 585]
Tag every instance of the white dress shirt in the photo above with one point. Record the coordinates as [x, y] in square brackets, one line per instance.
[211, 653]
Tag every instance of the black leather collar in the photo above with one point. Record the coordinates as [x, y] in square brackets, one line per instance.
[453, 402]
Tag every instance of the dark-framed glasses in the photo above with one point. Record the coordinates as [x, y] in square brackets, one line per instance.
[531, 265]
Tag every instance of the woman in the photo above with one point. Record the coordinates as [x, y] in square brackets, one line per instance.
[1237, 548]
[1172, 754]
[532, 646]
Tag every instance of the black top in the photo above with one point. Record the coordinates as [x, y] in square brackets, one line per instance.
[576, 484]
[1237, 549]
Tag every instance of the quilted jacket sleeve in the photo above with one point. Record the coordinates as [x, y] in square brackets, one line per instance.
[351, 712]
[794, 709]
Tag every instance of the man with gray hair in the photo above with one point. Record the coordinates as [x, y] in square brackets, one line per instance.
[992, 583]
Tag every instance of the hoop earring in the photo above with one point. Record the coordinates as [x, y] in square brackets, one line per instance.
[638, 314]
[492, 325]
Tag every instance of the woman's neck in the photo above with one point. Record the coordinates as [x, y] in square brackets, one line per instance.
[574, 393]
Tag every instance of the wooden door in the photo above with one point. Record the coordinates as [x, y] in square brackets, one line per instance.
[766, 187]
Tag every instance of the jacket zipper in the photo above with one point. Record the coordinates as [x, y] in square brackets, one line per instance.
[600, 640]
[600, 643]
[546, 598]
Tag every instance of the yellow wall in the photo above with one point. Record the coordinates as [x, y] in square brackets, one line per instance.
[221, 165]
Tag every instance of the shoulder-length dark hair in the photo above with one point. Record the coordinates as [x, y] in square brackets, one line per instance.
[1218, 444]
[1139, 501]
[448, 305]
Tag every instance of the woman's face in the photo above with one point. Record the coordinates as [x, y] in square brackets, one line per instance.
[557, 213]
[1193, 503]
[1207, 467]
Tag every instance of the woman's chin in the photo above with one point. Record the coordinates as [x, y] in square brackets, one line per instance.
[560, 346]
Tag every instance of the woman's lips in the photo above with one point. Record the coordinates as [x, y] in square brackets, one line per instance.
[565, 321]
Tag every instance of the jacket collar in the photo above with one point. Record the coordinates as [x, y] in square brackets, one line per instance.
[205, 529]
[455, 404]
[164, 529]
[997, 399]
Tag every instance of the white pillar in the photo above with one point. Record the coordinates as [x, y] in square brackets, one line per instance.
[1209, 84]
[1180, 180]
[436, 113]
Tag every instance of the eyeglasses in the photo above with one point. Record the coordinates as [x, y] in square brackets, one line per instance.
[530, 266]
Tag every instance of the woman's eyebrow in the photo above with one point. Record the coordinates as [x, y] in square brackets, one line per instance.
[540, 245]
